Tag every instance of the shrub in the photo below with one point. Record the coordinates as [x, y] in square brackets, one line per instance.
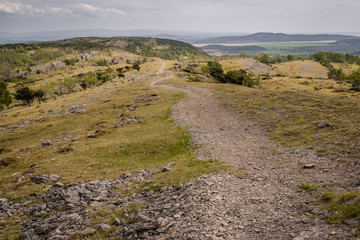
[336, 74]
[39, 94]
[136, 66]
[25, 94]
[5, 97]
[102, 62]
[354, 79]
[214, 68]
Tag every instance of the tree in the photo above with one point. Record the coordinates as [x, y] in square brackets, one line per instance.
[25, 94]
[39, 94]
[264, 58]
[5, 97]
[290, 57]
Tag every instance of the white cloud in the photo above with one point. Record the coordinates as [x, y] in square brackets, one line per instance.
[92, 11]
[83, 9]
[17, 8]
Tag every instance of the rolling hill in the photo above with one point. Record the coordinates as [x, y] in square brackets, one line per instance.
[264, 37]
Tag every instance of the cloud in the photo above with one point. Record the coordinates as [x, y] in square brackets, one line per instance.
[92, 11]
[17, 8]
[83, 9]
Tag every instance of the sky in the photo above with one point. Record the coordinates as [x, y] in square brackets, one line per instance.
[246, 16]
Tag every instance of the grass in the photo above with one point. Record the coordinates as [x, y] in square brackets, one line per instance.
[309, 187]
[153, 143]
[109, 155]
[345, 207]
[298, 115]
[10, 228]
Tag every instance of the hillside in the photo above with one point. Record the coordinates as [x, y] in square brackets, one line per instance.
[275, 37]
[123, 144]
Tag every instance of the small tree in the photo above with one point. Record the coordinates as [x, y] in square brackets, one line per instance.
[25, 94]
[5, 97]
[39, 94]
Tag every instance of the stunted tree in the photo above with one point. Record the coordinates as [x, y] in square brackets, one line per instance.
[5, 97]
[25, 94]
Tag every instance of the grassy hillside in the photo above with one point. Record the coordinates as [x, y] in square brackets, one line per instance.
[20, 59]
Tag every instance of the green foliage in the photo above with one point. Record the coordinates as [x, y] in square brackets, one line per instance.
[102, 62]
[240, 77]
[39, 94]
[336, 74]
[163, 48]
[25, 94]
[308, 186]
[214, 68]
[5, 97]
[290, 57]
[345, 206]
[103, 76]
[264, 58]
[71, 61]
[326, 197]
[128, 61]
[325, 58]
[354, 79]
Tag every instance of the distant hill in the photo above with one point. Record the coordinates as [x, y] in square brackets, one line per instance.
[275, 37]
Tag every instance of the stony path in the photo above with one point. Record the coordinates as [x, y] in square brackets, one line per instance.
[266, 204]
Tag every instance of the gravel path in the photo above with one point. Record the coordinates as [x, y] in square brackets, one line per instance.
[267, 203]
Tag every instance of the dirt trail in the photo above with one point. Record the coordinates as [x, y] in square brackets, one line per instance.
[268, 202]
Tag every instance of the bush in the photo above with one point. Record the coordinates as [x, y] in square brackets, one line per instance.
[336, 74]
[102, 62]
[214, 68]
[71, 61]
[354, 79]
[5, 97]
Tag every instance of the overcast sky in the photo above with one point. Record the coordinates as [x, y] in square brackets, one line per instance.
[291, 16]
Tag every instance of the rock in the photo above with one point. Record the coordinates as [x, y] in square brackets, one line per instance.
[87, 231]
[46, 144]
[322, 124]
[92, 135]
[76, 109]
[298, 238]
[32, 165]
[44, 178]
[103, 227]
[165, 169]
[309, 166]
[105, 101]
[117, 222]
